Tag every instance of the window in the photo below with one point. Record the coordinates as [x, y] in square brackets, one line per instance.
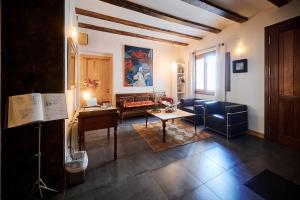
[206, 73]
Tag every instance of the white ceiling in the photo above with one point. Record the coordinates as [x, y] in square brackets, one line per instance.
[178, 8]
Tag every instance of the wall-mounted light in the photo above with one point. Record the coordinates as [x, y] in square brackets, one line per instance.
[173, 66]
[239, 50]
[74, 33]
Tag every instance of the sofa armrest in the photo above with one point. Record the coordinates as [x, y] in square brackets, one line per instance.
[168, 99]
[187, 102]
[199, 109]
[236, 114]
[200, 101]
[235, 108]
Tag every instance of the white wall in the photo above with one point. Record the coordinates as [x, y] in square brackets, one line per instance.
[70, 22]
[106, 43]
[248, 88]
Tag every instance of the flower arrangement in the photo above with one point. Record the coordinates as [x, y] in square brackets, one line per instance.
[157, 95]
[89, 83]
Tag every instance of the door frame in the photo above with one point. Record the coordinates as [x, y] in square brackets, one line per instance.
[271, 34]
[97, 56]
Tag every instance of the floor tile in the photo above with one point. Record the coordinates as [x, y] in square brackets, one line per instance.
[141, 187]
[202, 167]
[229, 187]
[200, 193]
[226, 158]
[175, 180]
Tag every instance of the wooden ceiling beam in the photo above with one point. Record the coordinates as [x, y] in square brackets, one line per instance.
[88, 13]
[119, 32]
[161, 15]
[279, 3]
[213, 8]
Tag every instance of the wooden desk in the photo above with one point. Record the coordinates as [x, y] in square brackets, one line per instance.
[94, 119]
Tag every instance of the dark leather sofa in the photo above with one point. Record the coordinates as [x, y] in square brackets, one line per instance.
[229, 119]
[193, 105]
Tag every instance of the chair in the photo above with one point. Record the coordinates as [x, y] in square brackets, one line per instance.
[193, 105]
[229, 119]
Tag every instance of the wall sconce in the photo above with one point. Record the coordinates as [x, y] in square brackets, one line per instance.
[74, 33]
[173, 66]
[240, 50]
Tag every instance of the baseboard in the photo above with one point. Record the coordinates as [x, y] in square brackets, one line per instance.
[256, 134]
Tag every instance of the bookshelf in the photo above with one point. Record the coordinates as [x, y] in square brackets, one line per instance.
[179, 81]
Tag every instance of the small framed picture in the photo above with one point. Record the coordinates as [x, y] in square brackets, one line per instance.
[240, 66]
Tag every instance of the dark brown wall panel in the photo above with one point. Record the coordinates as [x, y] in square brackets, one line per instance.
[32, 60]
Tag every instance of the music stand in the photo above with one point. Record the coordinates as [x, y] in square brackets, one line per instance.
[36, 108]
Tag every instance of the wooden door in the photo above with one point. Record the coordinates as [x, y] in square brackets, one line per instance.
[98, 68]
[283, 82]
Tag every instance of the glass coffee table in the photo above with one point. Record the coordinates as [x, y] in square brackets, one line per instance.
[164, 117]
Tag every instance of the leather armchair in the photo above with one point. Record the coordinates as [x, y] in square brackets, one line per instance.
[229, 119]
[193, 105]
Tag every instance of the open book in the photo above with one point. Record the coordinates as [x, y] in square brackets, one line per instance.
[36, 107]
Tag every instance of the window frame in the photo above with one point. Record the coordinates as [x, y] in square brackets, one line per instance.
[199, 56]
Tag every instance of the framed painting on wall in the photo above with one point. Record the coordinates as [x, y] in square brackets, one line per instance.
[138, 66]
[240, 66]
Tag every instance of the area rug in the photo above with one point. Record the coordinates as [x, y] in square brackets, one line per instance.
[272, 186]
[177, 133]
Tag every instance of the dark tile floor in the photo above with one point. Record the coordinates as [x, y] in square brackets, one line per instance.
[209, 169]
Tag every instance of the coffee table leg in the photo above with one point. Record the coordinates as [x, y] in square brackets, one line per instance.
[146, 119]
[108, 133]
[164, 130]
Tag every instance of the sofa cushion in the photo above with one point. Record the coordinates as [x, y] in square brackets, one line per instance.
[141, 98]
[137, 104]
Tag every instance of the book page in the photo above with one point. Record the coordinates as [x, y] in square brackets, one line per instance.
[55, 106]
[24, 109]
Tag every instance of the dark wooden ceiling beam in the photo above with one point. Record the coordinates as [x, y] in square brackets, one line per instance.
[119, 32]
[279, 3]
[161, 15]
[213, 8]
[88, 13]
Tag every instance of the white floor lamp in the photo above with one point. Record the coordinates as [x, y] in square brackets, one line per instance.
[36, 108]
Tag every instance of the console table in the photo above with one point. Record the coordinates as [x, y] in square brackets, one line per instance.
[96, 118]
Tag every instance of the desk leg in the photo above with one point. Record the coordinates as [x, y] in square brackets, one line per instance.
[164, 130]
[146, 119]
[115, 143]
[108, 133]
